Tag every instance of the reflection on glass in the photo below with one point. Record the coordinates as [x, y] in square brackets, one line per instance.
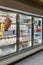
[25, 31]
[8, 37]
[37, 31]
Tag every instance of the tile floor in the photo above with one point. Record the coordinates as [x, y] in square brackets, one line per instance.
[36, 59]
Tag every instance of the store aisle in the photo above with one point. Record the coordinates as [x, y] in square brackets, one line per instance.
[36, 59]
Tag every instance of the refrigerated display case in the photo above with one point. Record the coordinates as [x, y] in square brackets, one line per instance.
[25, 23]
[37, 30]
[21, 34]
[8, 36]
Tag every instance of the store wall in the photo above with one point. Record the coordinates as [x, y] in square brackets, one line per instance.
[21, 6]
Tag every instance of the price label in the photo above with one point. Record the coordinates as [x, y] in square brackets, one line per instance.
[1, 34]
[1, 26]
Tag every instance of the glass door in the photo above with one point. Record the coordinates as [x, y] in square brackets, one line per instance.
[25, 31]
[37, 30]
[7, 33]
